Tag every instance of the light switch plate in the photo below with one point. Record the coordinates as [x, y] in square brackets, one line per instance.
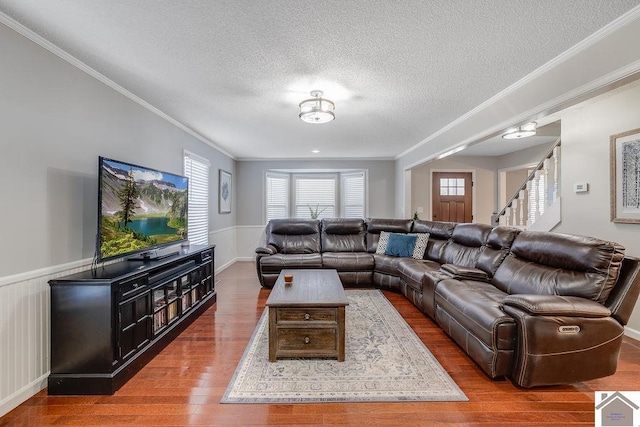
[581, 187]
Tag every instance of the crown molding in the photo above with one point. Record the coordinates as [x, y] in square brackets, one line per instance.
[594, 38]
[64, 55]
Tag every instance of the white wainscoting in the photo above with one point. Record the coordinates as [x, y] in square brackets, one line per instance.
[236, 244]
[226, 248]
[24, 332]
[249, 237]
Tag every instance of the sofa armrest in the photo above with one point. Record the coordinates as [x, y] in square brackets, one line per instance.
[556, 305]
[461, 273]
[562, 340]
[267, 250]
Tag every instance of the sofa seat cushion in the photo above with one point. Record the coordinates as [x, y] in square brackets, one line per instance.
[412, 271]
[386, 264]
[275, 263]
[348, 261]
[476, 306]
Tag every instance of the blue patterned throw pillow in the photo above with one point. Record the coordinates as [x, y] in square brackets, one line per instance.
[401, 245]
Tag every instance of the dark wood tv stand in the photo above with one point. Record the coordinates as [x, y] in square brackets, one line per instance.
[108, 323]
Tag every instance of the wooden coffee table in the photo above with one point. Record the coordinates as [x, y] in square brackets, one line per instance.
[306, 317]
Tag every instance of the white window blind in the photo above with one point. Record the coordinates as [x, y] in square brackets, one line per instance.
[196, 168]
[315, 196]
[353, 195]
[277, 195]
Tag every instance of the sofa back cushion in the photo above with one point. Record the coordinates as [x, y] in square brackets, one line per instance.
[439, 235]
[294, 236]
[376, 225]
[496, 249]
[343, 235]
[560, 264]
[466, 244]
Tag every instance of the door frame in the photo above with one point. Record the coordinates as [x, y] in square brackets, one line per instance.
[473, 189]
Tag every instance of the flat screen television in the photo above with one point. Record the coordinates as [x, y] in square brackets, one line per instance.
[140, 210]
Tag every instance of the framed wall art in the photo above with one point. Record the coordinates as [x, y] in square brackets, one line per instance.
[625, 177]
[224, 192]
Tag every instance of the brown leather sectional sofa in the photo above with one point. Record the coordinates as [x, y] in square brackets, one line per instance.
[540, 308]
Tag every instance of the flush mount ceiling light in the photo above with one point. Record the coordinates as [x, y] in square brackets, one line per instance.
[317, 109]
[521, 131]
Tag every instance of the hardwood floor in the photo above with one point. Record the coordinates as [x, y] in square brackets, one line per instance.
[183, 385]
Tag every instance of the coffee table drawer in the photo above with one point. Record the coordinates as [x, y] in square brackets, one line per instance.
[307, 339]
[307, 315]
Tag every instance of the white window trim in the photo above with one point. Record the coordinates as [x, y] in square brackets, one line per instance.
[338, 174]
[365, 201]
[280, 175]
[323, 176]
[189, 156]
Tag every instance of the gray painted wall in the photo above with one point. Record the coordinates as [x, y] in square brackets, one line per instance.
[585, 158]
[251, 190]
[484, 191]
[55, 121]
[524, 157]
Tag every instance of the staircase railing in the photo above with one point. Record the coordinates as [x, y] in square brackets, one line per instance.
[539, 191]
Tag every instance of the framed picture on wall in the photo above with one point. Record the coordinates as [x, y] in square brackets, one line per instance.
[224, 192]
[625, 177]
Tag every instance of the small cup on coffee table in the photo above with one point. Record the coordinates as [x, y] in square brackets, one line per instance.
[288, 279]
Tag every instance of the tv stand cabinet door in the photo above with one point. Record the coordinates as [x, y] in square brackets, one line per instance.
[82, 329]
[134, 325]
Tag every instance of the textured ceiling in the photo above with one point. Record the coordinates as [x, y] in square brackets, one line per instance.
[234, 71]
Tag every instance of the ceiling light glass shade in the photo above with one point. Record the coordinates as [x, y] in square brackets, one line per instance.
[521, 131]
[317, 109]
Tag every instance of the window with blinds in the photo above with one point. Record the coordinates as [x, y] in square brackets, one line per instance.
[315, 195]
[196, 168]
[277, 195]
[353, 195]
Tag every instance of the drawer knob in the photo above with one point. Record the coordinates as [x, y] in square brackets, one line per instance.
[307, 316]
[307, 340]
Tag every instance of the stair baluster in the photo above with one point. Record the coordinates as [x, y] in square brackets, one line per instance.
[533, 195]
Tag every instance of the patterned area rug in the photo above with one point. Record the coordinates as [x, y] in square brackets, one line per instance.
[385, 362]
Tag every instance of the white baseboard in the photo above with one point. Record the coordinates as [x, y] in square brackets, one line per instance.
[632, 333]
[225, 266]
[14, 400]
[233, 261]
